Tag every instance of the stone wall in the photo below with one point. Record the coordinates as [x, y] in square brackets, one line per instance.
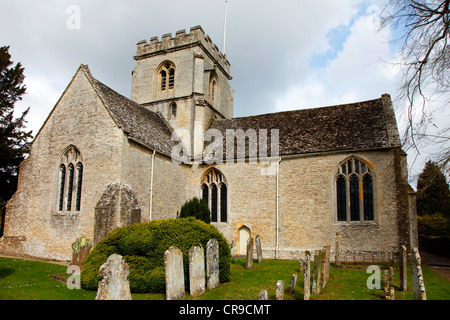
[306, 207]
[33, 222]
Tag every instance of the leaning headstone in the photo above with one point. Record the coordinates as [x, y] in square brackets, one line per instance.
[307, 276]
[258, 248]
[196, 270]
[403, 269]
[293, 283]
[280, 290]
[418, 283]
[173, 265]
[249, 263]
[212, 263]
[263, 295]
[337, 257]
[317, 278]
[80, 250]
[115, 285]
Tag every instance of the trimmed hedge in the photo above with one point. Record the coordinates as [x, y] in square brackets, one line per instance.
[143, 246]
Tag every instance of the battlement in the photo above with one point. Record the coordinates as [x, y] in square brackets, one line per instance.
[196, 36]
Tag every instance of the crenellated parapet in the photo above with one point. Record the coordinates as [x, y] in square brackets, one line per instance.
[182, 40]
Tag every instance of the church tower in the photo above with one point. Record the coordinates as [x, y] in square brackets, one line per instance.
[185, 79]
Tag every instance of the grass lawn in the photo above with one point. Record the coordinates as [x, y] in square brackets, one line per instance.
[30, 280]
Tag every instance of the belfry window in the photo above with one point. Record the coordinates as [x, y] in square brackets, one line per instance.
[214, 193]
[167, 76]
[173, 110]
[70, 179]
[354, 192]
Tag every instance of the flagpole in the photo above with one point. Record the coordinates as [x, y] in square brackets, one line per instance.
[225, 28]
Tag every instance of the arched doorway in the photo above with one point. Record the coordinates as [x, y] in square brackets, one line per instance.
[244, 235]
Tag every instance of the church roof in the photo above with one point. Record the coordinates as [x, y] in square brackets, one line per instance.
[363, 125]
[140, 124]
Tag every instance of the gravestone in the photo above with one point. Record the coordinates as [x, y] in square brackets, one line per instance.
[337, 255]
[263, 295]
[249, 263]
[325, 267]
[301, 262]
[196, 270]
[280, 290]
[391, 273]
[418, 282]
[258, 248]
[115, 285]
[387, 293]
[212, 263]
[80, 250]
[307, 276]
[317, 278]
[174, 273]
[403, 269]
[293, 283]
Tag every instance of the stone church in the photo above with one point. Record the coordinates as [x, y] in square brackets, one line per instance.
[296, 178]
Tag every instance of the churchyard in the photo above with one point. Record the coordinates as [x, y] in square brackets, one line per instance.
[31, 280]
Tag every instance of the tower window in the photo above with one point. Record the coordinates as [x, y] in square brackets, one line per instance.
[167, 76]
[173, 110]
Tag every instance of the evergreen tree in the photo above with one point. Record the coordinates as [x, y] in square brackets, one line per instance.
[14, 141]
[432, 191]
[195, 208]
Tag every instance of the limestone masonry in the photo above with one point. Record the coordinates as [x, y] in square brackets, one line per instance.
[296, 179]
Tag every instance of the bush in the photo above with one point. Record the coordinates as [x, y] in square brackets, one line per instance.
[195, 208]
[143, 246]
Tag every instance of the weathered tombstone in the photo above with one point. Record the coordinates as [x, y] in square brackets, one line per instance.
[263, 295]
[301, 262]
[249, 263]
[293, 283]
[387, 293]
[392, 294]
[324, 275]
[307, 276]
[337, 259]
[258, 248]
[403, 269]
[115, 285]
[196, 270]
[173, 265]
[80, 250]
[391, 273]
[317, 278]
[232, 247]
[280, 290]
[212, 263]
[418, 283]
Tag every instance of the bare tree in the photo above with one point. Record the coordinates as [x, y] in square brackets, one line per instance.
[424, 28]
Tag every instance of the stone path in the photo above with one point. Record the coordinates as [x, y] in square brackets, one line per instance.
[438, 264]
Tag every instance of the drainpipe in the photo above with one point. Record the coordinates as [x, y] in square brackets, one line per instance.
[277, 202]
[151, 187]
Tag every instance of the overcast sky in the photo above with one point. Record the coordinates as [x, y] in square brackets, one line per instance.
[284, 55]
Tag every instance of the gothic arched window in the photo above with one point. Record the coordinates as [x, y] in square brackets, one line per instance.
[70, 180]
[214, 193]
[354, 191]
[173, 110]
[167, 75]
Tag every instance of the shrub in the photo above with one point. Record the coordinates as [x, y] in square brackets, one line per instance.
[195, 208]
[143, 246]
